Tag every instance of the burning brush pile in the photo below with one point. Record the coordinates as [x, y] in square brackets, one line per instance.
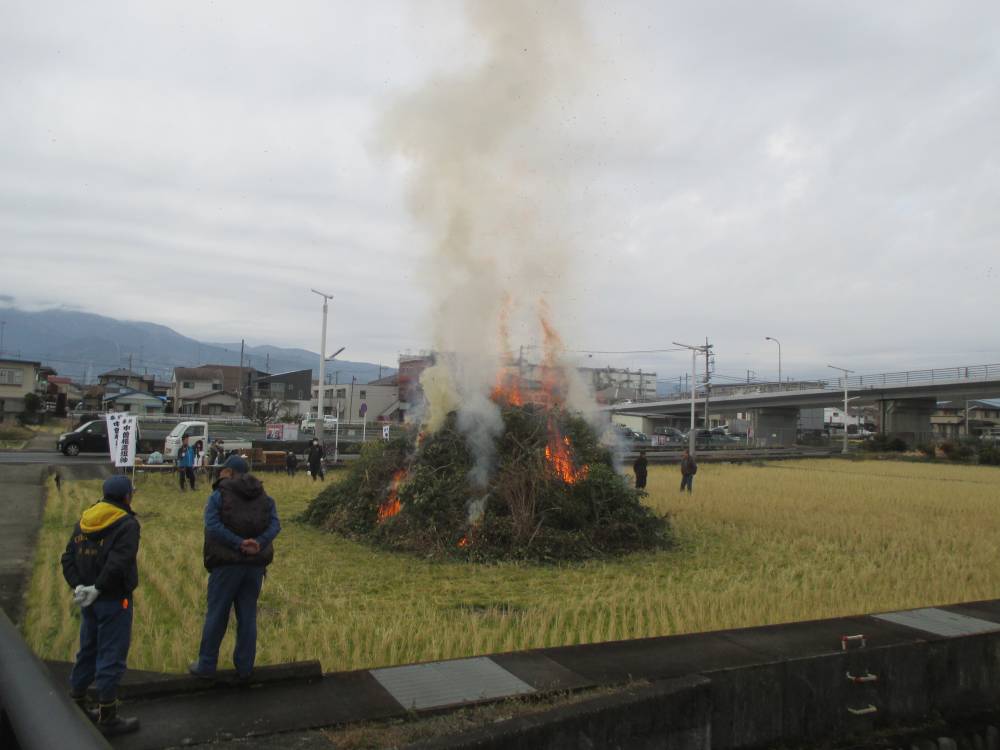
[552, 494]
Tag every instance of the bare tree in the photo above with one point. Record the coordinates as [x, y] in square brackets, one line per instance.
[265, 411]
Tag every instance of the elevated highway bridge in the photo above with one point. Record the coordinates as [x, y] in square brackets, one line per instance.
[905, 400]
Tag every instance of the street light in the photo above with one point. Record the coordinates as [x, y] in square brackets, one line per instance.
[845, 371]
[322, 362]
[771, 338]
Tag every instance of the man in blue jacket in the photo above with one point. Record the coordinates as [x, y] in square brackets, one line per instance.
[241, 522]
[99, 564]
[185, 462]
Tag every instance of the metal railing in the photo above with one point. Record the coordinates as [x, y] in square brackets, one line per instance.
[34, 713]
[917, 377]
[854, 382]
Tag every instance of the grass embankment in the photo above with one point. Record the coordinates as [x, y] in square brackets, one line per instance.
[786, 541]
[13, 437]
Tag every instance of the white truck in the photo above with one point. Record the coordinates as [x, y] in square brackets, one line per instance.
[197, 432]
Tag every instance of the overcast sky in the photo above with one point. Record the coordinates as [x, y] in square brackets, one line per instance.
[823, 173]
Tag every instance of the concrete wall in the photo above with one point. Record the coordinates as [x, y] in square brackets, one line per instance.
[775, 425]
[909, 419]
[789, 702]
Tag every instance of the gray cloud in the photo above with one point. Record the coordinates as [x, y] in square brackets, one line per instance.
[823, 173]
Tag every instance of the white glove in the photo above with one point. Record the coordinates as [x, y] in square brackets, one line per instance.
[88, 595]
[78, 594]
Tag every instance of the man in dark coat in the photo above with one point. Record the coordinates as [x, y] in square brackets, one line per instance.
[291, 463]
[241, 522]
[99, 564]
[640, 468]
[689, 467]
[315, 460]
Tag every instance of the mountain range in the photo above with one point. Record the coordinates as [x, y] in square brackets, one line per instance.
[82, 345]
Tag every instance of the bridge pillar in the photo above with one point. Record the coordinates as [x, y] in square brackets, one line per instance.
[908, 418]
[775, 425]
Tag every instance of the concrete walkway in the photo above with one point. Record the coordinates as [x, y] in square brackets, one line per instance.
[22, 501]
[747, 667]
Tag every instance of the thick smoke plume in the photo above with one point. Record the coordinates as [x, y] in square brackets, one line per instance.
[489, 178]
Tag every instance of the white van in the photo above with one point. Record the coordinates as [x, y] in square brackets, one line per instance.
[194, 432]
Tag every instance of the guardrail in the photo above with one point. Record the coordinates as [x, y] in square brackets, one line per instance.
[854, 382]
[916, 377]
[34, 714]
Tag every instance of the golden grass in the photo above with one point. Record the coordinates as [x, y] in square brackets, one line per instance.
[785, 541]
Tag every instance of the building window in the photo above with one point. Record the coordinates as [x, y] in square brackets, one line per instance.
[187, 385]
[216, 386]
[364, 394]
[341, 393]
[11, 376]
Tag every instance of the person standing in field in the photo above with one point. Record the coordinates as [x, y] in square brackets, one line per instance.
[689, 467]
[291, 463]
[315, 460]
[241, 523]
[185, 462]
[99, 564]
[640, 468]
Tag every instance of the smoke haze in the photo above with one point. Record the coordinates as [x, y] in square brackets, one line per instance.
[488, 184]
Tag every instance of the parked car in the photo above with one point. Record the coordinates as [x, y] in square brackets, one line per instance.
[90, 437]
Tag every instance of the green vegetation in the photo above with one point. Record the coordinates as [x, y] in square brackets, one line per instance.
[552, 496]
[755, 545]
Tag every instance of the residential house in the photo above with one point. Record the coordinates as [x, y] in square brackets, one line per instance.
[62, 393]
[954, 419]
[212, 389]
[126, 379]
[355, 403]
[293, 389]
[18, 378]
[133, 401]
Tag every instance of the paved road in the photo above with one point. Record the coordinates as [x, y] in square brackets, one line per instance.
[52, 458]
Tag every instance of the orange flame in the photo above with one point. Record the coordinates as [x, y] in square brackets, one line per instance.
[559, 454]
[392, 505]
[463, 542]
[507, 389]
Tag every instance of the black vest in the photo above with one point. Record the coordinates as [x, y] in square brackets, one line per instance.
[245, 511]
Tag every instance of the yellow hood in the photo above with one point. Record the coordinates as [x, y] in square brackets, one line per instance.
[99, 516]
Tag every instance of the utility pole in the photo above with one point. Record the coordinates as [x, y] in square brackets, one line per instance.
[322, 364]
[3, 325]
[243, 344]
[267, 363]
[708, 384]
[350, 408]
[130, 362]
[845, 371]
[694, 379]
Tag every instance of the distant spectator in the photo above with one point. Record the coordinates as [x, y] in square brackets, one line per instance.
[185, 462]
[315, 459]
[689, 467]
[640, 468]
[291, 463]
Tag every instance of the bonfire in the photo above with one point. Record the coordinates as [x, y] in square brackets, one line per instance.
[552, 494]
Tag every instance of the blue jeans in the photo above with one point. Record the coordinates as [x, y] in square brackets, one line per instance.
[686, 481]
[231, 586]
[105, 635]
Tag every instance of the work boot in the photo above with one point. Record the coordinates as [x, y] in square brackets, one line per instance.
[80, 699]
[111, 724]
[195, 672]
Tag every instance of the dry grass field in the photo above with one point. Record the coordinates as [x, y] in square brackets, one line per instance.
[757, 544]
